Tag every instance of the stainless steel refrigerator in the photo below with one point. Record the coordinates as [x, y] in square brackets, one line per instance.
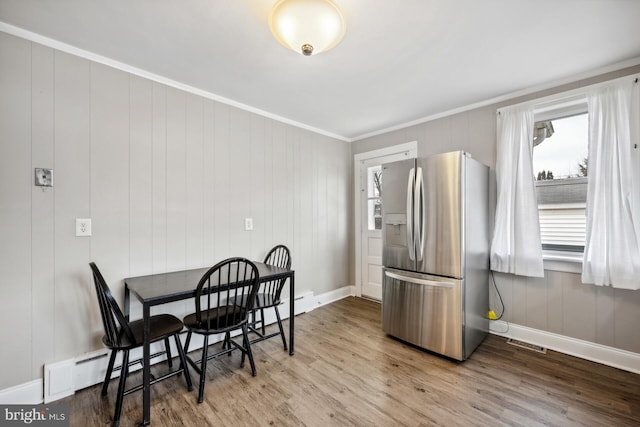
[435, 231]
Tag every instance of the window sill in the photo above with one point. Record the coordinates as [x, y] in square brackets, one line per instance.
[568, 262]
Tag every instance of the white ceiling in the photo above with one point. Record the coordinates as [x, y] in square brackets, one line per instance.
[400, 61]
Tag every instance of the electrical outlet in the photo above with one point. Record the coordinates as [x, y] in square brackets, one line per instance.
[248, 224]
[83, 227]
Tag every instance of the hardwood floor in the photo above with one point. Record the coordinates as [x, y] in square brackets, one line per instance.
[347, 372]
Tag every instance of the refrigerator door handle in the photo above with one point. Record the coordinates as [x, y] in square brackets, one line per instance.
[419, 281]
[411, 243]
[420, 213]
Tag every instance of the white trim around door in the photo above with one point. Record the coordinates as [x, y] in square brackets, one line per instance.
[388, 154]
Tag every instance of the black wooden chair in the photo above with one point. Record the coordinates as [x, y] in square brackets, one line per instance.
[122, 335]
[268, 295]
[224, 297]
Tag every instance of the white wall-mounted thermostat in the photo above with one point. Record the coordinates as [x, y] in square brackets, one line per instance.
[43, 177]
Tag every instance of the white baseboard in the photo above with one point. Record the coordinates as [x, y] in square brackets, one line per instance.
[335, 295]
[605, 355]
[64, 378]
[28, 393]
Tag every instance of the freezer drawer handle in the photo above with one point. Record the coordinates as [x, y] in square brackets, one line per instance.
[419, 281]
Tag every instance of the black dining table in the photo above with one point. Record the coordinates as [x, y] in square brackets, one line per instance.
[156, 289]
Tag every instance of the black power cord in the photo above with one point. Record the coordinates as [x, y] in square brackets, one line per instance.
[493, 279]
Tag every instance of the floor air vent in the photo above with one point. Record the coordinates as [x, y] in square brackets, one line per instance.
[528, 346]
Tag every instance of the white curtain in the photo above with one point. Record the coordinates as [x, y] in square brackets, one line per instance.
[612, 249]
[516, 246]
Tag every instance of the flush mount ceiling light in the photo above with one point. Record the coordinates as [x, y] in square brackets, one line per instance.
[307, 26]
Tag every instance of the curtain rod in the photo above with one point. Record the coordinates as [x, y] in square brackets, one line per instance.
[568, 95]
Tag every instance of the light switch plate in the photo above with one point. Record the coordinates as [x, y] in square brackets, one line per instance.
[43, 177]
[83, 227]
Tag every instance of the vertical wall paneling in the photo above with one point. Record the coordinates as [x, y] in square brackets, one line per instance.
[141, 226]
[167, 178]
[344, 250]
[297, 181]
[290, 185]
[460, 140]
[436, 138]
[579, 319]
[323, 248]
[256, 165]
[536, 297]
[316, 204]
[15, 210]
[75, 301]
[110, 190]
[297, 178]
[208, 183]
[279, 189]
[195, 182]
[504, 283]
[625, 329]
[159, 178]
[268, 183]
[482, 124]
[42, 204]
[176, 180]
[333, 213]
[304, 248]
[555, 301]
[221, 182]
[605, 315]
[239, 202]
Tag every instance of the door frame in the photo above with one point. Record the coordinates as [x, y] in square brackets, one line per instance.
[358, 160]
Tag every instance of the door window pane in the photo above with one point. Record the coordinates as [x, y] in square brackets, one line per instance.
[374, 201]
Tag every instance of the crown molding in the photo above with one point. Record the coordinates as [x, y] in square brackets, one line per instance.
[64, 47]
[511, 95]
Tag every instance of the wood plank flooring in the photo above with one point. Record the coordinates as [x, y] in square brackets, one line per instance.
[346, 372]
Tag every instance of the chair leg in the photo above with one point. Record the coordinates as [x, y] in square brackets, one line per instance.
[183, 362]
[262, 319]
[284, 340]
[248, 347]
[227, 342]
[203, 368]
[123, 379]
[107, 377]
[187, 342]
[245, 339]
[167, 348]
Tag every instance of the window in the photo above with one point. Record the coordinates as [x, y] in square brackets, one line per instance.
[560, 168]
[374, 202]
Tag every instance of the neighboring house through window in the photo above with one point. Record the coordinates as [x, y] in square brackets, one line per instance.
[560, 157]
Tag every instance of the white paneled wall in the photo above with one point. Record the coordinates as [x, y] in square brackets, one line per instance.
[167, 178]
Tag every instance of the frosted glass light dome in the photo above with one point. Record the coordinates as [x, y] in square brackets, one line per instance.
[307, 26]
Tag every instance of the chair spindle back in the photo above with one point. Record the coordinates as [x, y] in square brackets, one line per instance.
[278, 256]
[234, 279]
[112, 318]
